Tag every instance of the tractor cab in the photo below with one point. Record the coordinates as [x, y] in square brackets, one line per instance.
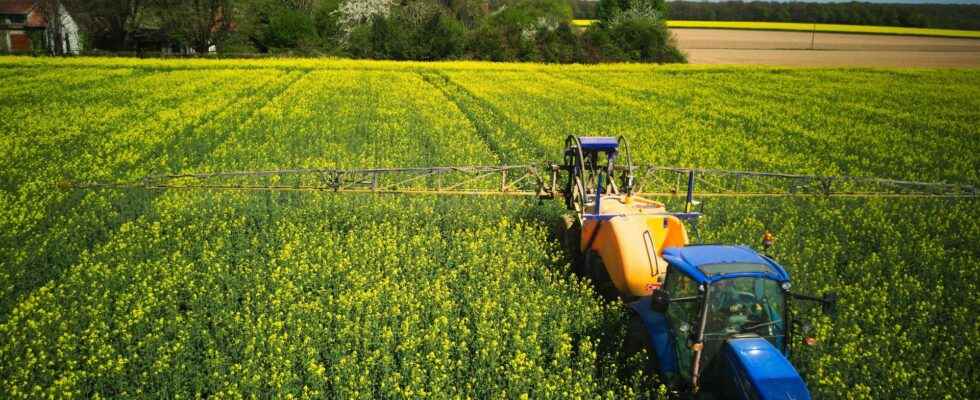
[719, 325]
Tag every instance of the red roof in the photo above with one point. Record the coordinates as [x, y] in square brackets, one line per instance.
[34, 19]
[16, 6]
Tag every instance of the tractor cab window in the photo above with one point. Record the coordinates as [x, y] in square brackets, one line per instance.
[744, 305]
[682, 316]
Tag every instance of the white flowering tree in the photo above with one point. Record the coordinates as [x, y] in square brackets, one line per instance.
[352, 13]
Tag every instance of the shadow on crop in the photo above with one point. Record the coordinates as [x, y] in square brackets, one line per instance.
[74, 225]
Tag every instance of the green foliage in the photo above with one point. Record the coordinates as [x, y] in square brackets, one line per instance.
[598, 45]
[642, 38]
[326, 21]
[609, 9]
[238, 43]
[444, 37]
[469, 12]
[510, 30]
[39, 43]
[196, 24]
[518, 30]
[511, 33]
[399, 37]
[559, 45]
[633, 30]
[288, 28]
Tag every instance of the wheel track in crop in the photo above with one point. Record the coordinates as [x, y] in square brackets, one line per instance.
[189, 144]
[804, 123]
[659, 121]
[122, 208]
[484, 116]
[35, 269]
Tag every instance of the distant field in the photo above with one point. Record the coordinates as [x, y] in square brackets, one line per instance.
[793, 26]
[727, 46]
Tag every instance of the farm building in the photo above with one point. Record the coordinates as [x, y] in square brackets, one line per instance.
[23, 23]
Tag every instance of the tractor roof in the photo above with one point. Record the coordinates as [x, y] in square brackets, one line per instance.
[711, 263]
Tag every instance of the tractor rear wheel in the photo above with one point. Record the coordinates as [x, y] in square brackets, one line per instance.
[638, 340]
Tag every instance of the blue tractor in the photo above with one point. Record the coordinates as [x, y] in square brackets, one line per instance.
[720, 325]
[716, 319]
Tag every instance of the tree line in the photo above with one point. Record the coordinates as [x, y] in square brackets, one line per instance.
[498, 30]
[948, 16]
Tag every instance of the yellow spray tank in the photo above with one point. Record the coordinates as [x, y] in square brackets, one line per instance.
[630, 236]
[621, 236]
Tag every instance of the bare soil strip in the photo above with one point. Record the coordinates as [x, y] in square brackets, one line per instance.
[837, 58]
[725, 46]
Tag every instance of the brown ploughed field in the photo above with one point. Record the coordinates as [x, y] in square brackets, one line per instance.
[729, 46]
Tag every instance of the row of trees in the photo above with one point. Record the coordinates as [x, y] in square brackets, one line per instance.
[950, 16]
[500, 30]
[117, 25]
[525, 30]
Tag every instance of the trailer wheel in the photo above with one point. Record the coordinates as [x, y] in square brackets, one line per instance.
[595, 270]
[570, 233]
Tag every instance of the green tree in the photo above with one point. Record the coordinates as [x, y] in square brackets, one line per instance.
[608, 9]
[638, 32]
[113, 21]
[509, 32]
[444, 37]
[327, 23]
[645, 39]
[197, 23]
[273, 25]
[289, 28]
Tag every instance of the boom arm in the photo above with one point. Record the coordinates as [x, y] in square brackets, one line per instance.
[535, 180]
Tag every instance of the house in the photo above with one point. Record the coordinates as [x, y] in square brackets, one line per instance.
[23, 23]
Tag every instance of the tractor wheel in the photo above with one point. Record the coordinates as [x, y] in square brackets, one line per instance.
[638, 340]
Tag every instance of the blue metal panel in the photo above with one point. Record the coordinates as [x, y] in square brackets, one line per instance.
[689, 260]
[768, 373]
[656, 325]
[599, 143]
[600, 217]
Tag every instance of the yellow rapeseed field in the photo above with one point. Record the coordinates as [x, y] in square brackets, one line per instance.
[810, 27]
[128, 293]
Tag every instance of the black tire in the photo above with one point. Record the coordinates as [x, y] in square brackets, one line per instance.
[571, 238]
[638, 340]
[574, 185]
[596, 271]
